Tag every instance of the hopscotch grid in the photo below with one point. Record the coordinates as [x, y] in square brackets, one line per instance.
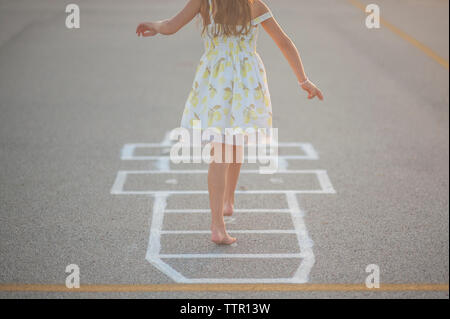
[119, 183]
[153, 254]
[237, 210]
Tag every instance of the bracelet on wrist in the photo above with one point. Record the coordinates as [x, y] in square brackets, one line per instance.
[304, 82]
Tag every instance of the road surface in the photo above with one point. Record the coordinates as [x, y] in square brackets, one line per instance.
[84, 176]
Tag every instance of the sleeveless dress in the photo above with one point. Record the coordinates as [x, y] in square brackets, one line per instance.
[230, 87]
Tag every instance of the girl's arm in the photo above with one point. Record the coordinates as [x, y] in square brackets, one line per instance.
[289, 51]
[170, 26]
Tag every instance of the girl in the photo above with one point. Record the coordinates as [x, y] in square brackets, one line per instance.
[230, 87]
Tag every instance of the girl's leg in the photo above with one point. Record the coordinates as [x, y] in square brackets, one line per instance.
[216, 186]
[231, 180]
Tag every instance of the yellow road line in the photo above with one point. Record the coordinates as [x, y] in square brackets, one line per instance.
[224, 287]
[422, 47]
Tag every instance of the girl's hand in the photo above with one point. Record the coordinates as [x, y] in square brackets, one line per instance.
[147, 29]
[312, 90]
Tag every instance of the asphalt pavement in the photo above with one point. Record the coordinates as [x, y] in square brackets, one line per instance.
[85, 177]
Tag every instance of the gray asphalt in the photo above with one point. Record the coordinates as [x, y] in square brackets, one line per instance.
[71, 99]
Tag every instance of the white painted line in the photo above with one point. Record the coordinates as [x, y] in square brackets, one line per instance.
[166, 269]
[264, 231]
[322, 176]
[166, 140]
[172, 181]
[238, 210]
[325, 182]
[249, 192]
[249, 256]
[304, 241]
[154, 243]
[129, 149]
[276, 180]
[157, 221]
[310, 151]
[121, 178]
[245, 281]
[199, 158]
[163, 164]
[205, 171]
[283, 164]
[147, 145]
[229, 220]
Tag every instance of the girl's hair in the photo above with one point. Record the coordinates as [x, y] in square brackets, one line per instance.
[231, 17]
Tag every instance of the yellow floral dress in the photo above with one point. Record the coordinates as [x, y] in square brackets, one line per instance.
[230, 87]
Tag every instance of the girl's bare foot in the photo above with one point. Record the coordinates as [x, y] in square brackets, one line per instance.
[228, 209]
[222, 238]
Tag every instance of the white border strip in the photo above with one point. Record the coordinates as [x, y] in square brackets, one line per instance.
[244, 281]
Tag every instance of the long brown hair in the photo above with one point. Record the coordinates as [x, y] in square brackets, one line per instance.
[231, 17]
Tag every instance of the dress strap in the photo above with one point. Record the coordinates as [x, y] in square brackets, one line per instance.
[262, 18]
[211, 17]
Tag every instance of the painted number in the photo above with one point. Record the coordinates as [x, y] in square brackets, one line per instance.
[373, 19]
[73, 17]
[373, 280]
[73, 279]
